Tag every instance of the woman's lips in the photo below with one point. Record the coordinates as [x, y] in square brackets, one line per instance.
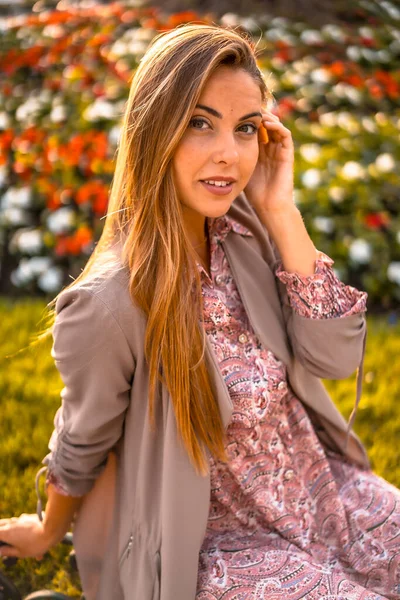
[218, 190]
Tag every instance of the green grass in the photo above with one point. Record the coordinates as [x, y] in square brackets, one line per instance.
[29, 392]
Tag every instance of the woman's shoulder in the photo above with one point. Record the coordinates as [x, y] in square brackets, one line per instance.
[106, 283]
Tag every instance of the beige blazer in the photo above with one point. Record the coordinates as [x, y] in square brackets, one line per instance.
[142, 522]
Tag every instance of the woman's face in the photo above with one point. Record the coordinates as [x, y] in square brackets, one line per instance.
[220, 141]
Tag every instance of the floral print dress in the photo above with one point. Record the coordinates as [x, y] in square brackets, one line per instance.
[287, 518]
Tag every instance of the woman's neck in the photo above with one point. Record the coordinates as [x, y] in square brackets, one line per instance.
[197, 228]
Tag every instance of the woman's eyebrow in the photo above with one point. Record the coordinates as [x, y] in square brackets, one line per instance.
[214, 112]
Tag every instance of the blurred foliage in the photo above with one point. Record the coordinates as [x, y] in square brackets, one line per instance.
[30, 389]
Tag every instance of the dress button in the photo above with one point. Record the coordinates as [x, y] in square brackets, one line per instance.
[243, 338]
[289, 474]
[219, 279]
[281, 385]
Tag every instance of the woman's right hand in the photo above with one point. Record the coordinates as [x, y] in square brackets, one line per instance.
[25, 536]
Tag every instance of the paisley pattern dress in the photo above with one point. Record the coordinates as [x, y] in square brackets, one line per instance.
[287, 519]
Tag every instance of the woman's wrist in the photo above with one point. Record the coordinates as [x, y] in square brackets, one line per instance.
[59, 513]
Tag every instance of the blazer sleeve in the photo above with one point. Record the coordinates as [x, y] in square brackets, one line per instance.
[329, 347]
[96, 366]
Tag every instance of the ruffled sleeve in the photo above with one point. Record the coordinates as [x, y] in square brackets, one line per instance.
[321, 295]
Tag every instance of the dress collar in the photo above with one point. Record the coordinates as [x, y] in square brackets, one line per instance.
[218, 229]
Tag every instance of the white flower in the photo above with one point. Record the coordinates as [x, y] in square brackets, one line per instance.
[334, 32]
[305, 66]
[250, 24]
[3, 175]
[321, 76]
[280, 22]
[313, 89]
[230, 20]
[391, 9]
[51, 280]
[393, 272]
[366, 32]
[58, 114]
[311, 36]
[274, 34]
[278, 63]
[369, 125]
[352, 170]
[293, 79]
[28, 268]
[303, 105]
[311, 178]
[29, 110]
[344, 90]
[27, 240]
[383, 56]
[328, 119]
[325, 224]
[53, 31]
[130, 44]
[369, 54]
[16, 197]
[62, 220]
[310, 152]
[13, 216]
[144, 34]
[100, 109]
[353, 53]
[353, 95]
[360, 251]
[336, 193]
[394, 46]
[385, 163]
[5, 121]
[346, 121]
[114, 135]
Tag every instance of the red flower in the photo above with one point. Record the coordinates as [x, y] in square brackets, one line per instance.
[337, 68]
[376, 220]
[181, 17]
[73, 243]
[95, 191]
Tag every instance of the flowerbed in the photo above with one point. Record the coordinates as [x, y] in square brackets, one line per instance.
[64, 81]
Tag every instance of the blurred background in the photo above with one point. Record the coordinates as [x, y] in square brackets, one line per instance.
[65, 70]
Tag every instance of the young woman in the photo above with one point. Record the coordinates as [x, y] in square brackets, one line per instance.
[196, 451]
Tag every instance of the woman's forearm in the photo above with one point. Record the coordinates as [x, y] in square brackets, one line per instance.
[287, 229]
[59, 513]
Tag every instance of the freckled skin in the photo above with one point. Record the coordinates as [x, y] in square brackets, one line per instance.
[213, 146]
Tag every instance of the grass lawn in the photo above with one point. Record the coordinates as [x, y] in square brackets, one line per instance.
[30, 394]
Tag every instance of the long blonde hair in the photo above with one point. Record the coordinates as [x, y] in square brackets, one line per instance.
[145, 215]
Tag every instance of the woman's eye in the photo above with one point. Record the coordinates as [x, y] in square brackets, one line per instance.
[253, 128]
[197, 120]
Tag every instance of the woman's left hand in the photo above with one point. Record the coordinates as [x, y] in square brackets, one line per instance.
[270, 187]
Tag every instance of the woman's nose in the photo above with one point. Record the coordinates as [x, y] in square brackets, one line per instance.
[226, 150]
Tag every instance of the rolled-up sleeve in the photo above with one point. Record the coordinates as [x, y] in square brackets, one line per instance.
[325, 319]
[96, 366]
